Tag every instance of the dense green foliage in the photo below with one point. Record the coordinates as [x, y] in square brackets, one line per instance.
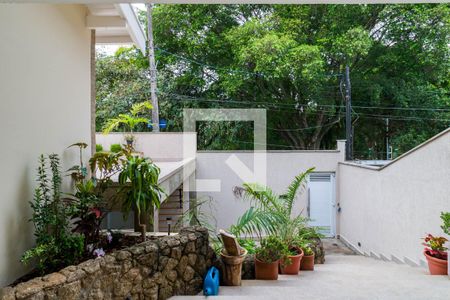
[289, 59]
[67, 229]
[271, 249]
[56, 246]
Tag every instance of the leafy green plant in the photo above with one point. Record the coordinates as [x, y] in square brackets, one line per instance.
[129, 121]
[445, 217]
[98, 148]
[434, 245]
[271, 249]
[306, 234]
[116, 148]
[86, 206]
[56, 246]
[139, 184]
[306, 247]
[248, 244]
[87, 213]
[105, 165]
[53, 254]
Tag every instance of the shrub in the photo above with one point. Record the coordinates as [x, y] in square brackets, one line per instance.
[86, 213]
[272, 249]
[56, 247]
[115, 148]
[98, 148]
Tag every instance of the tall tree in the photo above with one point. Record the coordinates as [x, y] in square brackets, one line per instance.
[288, 59]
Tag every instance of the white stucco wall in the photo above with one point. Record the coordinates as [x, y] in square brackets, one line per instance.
[162, 146]
[44, 107]
[388, 211]
[282, 167]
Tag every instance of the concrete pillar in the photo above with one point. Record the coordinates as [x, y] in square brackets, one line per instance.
[340, 146]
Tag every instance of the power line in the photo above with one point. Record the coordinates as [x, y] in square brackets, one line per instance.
[438, 109]
[225, 69]
[320, 105]
[293, 106]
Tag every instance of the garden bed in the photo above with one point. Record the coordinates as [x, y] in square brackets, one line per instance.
[155, 269]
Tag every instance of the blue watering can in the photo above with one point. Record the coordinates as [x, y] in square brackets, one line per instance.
[211, 283]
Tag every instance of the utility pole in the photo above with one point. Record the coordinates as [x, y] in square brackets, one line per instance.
[152, 65]
[155, 110]
[348, 116]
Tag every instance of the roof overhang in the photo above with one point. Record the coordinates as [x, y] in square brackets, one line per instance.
[116, 24]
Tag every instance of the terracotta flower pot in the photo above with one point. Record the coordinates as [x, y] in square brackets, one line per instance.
[307, 263]
[435, 265]
[266, 271]
[294, 267]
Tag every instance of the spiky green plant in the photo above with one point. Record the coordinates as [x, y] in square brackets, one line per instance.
[139, 181]
[271, 213]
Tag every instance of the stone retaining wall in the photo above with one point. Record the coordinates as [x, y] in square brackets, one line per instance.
[156, 269]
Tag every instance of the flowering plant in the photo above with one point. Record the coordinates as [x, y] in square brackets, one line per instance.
[434, 246]
[99, 252]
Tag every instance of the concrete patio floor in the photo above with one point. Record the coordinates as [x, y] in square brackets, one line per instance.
[344, 276]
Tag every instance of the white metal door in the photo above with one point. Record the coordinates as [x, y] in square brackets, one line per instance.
[321, 204]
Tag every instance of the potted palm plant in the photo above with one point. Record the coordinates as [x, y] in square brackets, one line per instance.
[129, 121]
[436, 254]
[267, 258]
[274, 214]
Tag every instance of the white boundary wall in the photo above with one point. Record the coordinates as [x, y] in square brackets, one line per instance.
[389, 210]
[162, 146]
[282, 166]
